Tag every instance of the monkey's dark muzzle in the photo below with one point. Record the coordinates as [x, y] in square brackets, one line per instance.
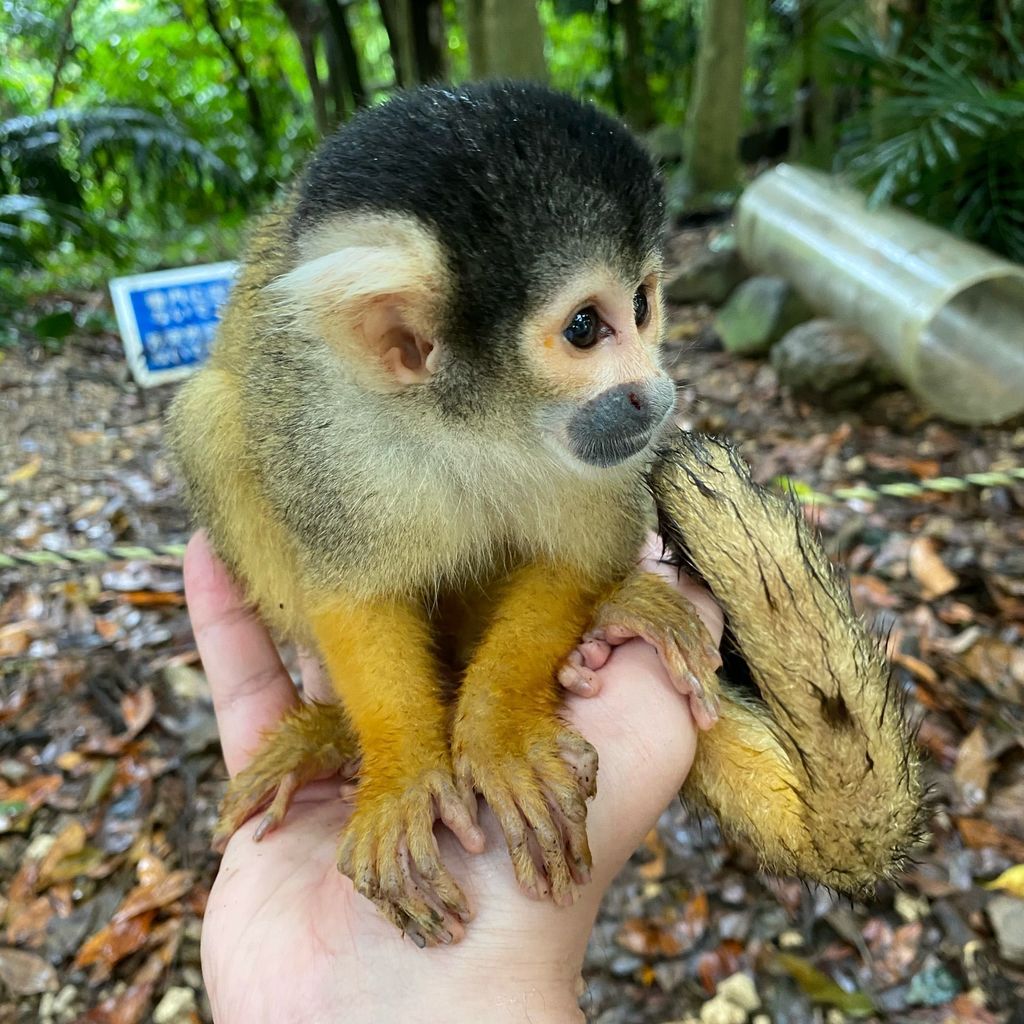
[620, 422]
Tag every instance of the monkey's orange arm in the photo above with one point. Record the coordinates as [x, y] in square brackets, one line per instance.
[508, 742]
[378, 654]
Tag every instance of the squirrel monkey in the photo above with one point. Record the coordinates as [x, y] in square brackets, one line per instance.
[422, 443]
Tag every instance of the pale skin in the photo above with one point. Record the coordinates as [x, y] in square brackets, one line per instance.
[285, 937]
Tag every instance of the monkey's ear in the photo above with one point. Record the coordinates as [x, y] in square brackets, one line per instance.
[372, 291]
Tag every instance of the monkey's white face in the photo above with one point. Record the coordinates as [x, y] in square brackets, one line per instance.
[371, 289]
[595, 352]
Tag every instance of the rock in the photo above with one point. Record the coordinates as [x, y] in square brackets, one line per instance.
[1007, 916]
[740, 991]
[177, 1006]
[710, 274]
[25, 973]
[758, 313]
[822, 359]
[719, 1010]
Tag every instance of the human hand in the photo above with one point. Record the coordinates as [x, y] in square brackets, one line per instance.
[285, 937]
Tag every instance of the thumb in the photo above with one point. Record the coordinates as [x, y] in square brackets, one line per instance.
[645, 739]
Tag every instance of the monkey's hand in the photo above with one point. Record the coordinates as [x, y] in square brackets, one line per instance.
[647, 606]
[508, 743]
[389, 851]
[312, 741]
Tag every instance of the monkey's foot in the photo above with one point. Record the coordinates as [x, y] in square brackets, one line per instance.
[389, 851]
[646, 606]
[536, 777]
[312, 741]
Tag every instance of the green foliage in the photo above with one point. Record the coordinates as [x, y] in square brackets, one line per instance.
[942, 134]
[59, 169]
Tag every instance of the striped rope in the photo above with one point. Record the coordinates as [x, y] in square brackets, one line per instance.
[803, 493]
[90, 556]
[903, 489]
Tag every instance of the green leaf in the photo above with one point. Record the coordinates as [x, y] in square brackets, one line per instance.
[822, 989]
[56, 326]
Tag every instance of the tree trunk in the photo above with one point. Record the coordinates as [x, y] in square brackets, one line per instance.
[715, 117]
[245, 83]
[347, 59]
[639, 108]
[506, 39]
[428, 39]
[64, 50]
[472, 12]
[394, 17]
[305, 23]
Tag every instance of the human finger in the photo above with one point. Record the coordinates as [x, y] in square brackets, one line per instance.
[251, 689]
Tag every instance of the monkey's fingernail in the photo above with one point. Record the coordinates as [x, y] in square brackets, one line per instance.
[265, 825]
[576, 658]
[417, 938]
[695, 685]
[445, 937]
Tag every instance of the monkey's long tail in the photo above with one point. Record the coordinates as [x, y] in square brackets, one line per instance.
[814, 764]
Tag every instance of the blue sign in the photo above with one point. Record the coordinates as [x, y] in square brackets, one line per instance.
[168, 319]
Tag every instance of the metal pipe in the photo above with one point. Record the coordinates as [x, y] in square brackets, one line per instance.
[947, 314]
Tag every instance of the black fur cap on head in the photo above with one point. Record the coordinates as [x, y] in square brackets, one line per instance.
[521, 184]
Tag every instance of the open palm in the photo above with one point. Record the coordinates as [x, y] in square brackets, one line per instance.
[285, 937]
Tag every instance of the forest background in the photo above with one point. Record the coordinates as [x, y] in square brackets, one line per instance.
[142, 134]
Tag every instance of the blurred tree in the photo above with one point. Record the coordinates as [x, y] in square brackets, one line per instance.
[715, 117]
[142, 158]
[230, 42]
[506, 39]
[639, 109]
[416, 38]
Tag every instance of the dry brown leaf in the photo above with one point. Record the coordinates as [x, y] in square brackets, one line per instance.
[923, 469]
[654, 869]
[26, 974]
[159, 894]
[969, 1008]
[870, 593]
[114, 942]
[938, 740]
[15, 638]
[716, 965]
[85, 437]
[27, 925]
[69, 842]
[973, 770]
[997, 665]
[929, 570]
[131, 1005]
[137, 710]
[916, 667]
[978, 833]
[151, 598]
[106, 629]
[648, 938]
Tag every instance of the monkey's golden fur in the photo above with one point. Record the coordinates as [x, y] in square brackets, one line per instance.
[817, 769]
[493, 583]
[437, 536]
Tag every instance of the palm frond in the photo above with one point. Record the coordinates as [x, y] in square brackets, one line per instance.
[103, 136]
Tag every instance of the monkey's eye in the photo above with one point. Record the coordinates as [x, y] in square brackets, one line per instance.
[583, 328]
[641, 307]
